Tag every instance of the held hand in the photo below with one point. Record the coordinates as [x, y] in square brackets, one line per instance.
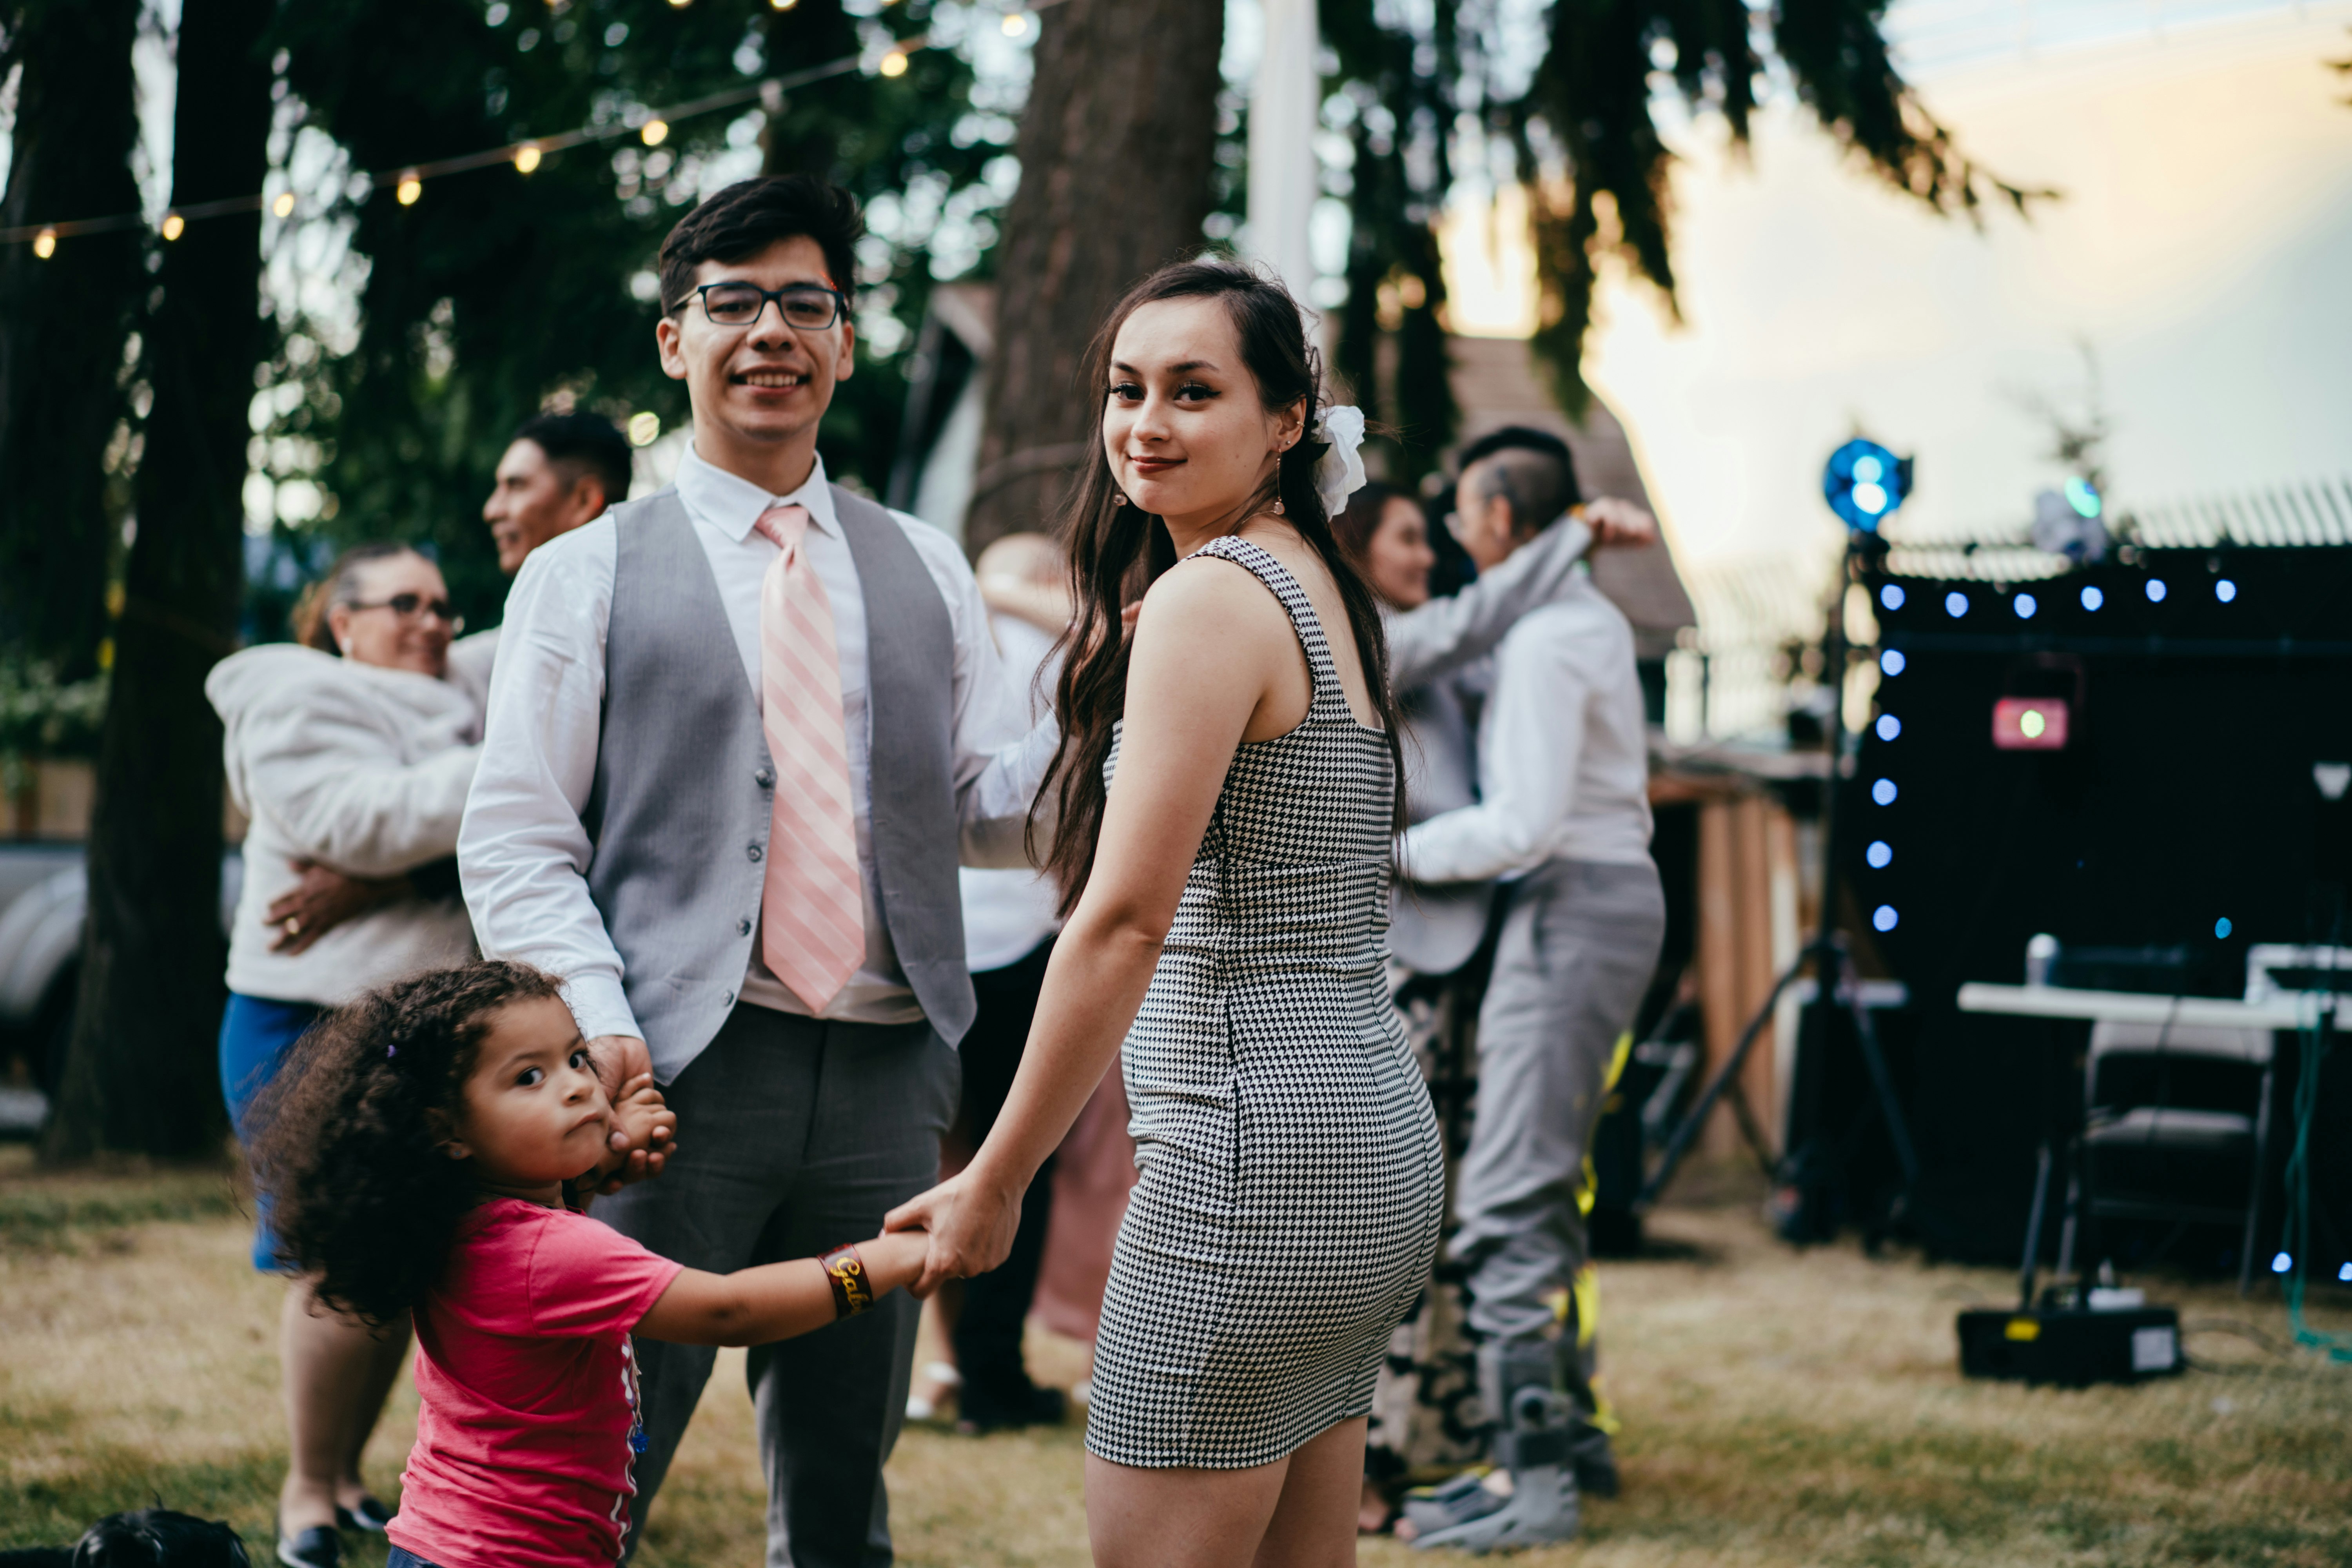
[1619, 524]
[623, 1064]
[323, 899]
[971, 1221]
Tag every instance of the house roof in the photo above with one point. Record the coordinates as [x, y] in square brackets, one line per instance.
[1495, 384]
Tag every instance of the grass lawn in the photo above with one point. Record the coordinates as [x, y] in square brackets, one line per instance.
[1781, 1408]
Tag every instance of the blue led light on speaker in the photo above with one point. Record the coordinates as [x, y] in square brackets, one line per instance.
[1891, 661]
[1891, 596]
[2156, 590]
[1956, 604]
[2025, 606]
[2225, 590]
[2092, 597]
[1888, 726]
[1879, 854]
[1883, 791]
[1884, 917]
[2221, 927]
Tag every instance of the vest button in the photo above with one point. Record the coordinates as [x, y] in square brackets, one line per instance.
[742, 928]
[730, 999]
[765, 778]
[754, 851]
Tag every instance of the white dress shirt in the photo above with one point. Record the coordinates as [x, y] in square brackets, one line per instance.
[1006, 913]
[1563, 752]
[523, 851]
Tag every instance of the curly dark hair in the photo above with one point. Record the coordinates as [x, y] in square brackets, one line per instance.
[347, 1139]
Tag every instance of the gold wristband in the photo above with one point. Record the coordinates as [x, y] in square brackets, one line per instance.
[853, 1287]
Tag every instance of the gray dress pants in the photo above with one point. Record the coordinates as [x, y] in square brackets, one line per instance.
[794, 1135]
[1578, 948]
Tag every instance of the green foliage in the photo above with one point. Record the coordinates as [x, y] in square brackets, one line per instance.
[42, 717]
[497, 291]
[1586, 143]
[1397, 108]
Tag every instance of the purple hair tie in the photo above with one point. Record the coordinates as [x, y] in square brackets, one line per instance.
[390, 1052]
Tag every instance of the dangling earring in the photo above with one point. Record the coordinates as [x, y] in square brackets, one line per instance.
[1277, 480]
[1116, 498]
[1277, 506]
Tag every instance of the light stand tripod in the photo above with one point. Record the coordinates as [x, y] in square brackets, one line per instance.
[1835, 981]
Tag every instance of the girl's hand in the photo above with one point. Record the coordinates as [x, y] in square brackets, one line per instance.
[971, 1219]
[642, 1120]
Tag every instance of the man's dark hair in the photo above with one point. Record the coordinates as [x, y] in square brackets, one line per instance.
[1534, 471]
[588, 442]
[749, 216]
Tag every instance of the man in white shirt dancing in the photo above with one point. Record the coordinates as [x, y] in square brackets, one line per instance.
[740, 733]
[1563, 810]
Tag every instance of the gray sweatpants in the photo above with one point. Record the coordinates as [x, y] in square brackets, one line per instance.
[795, 1135]
[1578, 948]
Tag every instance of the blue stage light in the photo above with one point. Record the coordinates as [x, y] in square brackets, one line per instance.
[2025, 606]
[1863, 483]
[2156, 590]
[2225, 590]
[2282, 1263]
[1888, 726]
[1884, 917]
[1883, 791]
[2345, 1274]
[1956, 604]
[1880, 853]
[1891, 596]
[2092, 597]
[2221, 927]
[1891, 661]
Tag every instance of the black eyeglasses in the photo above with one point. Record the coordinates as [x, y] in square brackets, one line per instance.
[804, 306]
[408, 606]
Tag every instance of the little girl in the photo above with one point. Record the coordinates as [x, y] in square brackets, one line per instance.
[425, 1147]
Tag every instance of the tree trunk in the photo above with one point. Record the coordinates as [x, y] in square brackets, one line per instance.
[139, 1075]
[62, 323]
[1116, 150]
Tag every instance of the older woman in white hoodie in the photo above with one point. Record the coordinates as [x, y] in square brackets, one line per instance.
[353, 750]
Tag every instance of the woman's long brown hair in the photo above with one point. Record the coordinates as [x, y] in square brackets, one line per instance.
[1117, 551]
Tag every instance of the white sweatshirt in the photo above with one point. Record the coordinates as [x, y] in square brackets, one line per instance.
[356, 768]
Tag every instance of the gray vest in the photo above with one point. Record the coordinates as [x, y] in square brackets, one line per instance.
[677, 816]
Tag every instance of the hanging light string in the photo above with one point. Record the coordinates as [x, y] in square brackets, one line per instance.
[651, 126]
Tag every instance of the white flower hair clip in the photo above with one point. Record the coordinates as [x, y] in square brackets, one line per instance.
[1339, 472]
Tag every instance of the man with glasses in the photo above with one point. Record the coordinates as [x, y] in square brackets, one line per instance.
[741, 736]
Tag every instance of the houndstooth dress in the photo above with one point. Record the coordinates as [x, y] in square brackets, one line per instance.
[1291, 1177]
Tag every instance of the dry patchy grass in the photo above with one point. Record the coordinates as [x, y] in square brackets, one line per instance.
[1782, 1408]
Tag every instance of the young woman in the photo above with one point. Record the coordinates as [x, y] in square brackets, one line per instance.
[1384, 530]
[428, 1146]
[1228, 895]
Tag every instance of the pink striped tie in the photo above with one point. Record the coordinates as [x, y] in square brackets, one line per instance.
[812, 913]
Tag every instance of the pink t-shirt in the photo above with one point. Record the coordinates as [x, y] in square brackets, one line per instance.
[526, 1440]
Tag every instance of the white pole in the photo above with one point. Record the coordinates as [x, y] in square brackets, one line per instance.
[1284, 111]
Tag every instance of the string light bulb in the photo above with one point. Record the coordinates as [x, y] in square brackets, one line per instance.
[783, 4]
[284, 205]
[526, 158]
[409, 188]
[44, 244]
[654, 134]
[1015, 23]
[174, 225]
[895, 63]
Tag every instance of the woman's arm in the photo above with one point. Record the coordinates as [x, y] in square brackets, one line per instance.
[1211, 649]
[774, 1300]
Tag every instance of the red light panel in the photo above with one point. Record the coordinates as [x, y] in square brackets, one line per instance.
[2030, 724]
